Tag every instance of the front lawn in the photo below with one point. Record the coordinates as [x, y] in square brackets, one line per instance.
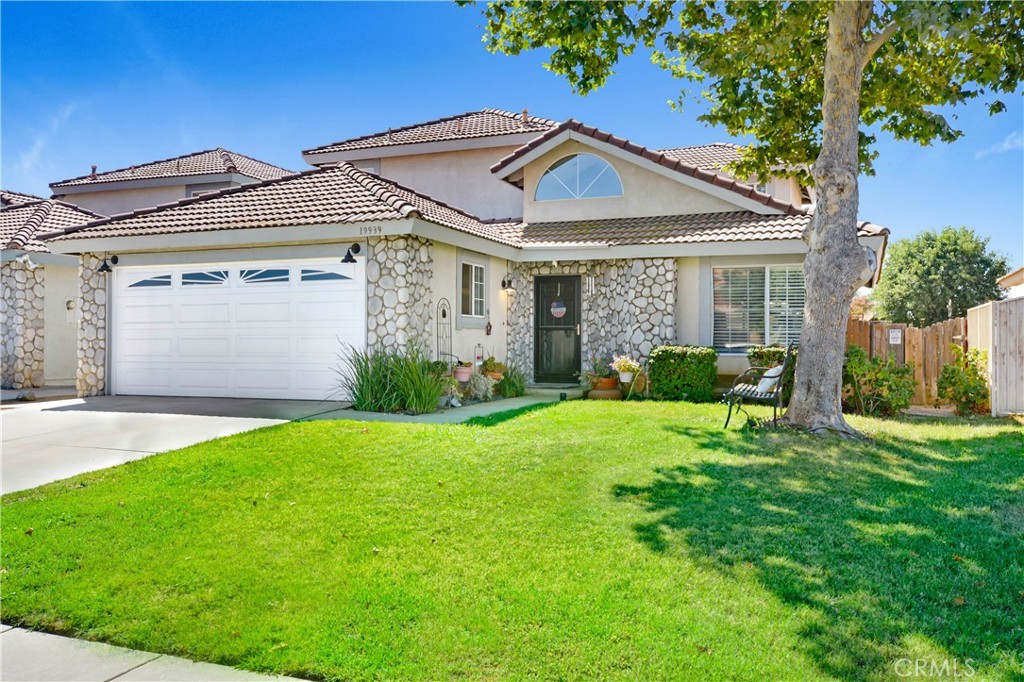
[582, 540]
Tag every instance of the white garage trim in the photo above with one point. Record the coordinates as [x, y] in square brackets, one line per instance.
[255, 329]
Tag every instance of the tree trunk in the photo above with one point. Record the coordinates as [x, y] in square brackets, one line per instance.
[836, 261]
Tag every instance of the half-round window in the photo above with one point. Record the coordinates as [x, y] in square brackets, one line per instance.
[580, 176]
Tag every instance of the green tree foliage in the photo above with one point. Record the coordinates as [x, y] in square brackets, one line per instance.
[760, 64]
[935, 275]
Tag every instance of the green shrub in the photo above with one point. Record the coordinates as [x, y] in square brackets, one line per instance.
[773, 356]
[876, 387]
[389, 381]
[964, 382]
[512, 384]
[683, 373]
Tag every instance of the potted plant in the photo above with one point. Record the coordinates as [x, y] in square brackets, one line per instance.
[600, 374]
[493, 369]
[462, 371]
[626, 366]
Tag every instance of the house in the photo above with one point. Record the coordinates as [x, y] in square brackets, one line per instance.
[1013, 283]
[160, 182]
[490, 231]
[39, 307]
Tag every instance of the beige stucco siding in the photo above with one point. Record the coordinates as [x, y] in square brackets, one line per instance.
[445, 285]
[125, 200]
[461, 178]
[644, 193]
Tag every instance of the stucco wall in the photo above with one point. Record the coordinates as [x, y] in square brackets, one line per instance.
[445, 285]
[644, 193]
[60, 365]
[22, 324]
[627, 306]
[122, 201]
[460, 178]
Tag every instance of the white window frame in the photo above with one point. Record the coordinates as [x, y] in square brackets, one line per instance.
[479, 263]
[609, 167]
[767, 268]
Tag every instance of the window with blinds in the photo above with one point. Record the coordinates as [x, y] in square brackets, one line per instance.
[739, 307]
[757, 306]
[785, 303]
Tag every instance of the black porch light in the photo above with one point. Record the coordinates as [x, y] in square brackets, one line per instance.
[350, 254]
[105, 268]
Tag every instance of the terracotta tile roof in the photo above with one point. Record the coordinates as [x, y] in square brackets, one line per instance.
[679, 229]
[320, 196]
[11, 198]
[22, 223]
[714, 156]
[208, 162]
[472, 124]
[651, 155]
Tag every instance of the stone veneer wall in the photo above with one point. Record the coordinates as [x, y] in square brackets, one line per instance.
[632, 307]
[92, 326]
[398, 286]
[22, 323]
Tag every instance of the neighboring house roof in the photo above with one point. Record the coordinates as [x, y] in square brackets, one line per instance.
[207, 162]
[713, 156]
[22, 223]
[1013, 279]
[11, 198]
[472, 124]
[320, 196]
[676, 229]
[654, 156]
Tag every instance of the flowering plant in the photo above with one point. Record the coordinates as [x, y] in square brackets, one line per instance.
[599, 367]
[624, 363]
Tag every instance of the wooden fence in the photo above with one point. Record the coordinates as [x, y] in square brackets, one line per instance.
[928, 348]
[998, 329]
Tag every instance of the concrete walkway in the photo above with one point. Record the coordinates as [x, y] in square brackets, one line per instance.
[27, 656]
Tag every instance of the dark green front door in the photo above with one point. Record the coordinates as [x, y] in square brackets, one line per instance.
[556, 329]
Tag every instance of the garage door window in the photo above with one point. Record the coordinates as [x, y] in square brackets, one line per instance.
[155, 281]
[211, 277]
[264, 276]
[322, 276]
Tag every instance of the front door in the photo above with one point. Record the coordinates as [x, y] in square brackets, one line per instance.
[557, 329]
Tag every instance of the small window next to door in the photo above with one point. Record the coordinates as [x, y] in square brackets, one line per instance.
[471, 283]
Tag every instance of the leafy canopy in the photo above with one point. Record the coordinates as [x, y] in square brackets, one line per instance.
[934, 274]
[761, 64]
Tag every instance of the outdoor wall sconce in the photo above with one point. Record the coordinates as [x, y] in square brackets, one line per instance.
[350, 254]
[506, 284]
[105, 268]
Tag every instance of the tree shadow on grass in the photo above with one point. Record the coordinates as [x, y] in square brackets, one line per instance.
[898, 547]
[507, 415]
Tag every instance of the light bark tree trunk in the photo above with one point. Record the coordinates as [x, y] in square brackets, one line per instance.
[835, 260]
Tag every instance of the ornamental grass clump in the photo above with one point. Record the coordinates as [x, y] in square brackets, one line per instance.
[379, 380]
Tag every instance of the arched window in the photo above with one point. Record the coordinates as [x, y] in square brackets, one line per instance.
[580, 176]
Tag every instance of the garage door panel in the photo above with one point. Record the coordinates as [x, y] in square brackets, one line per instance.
[236, 338]
[204, 312]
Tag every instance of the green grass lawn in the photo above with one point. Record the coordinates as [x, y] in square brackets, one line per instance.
[582, 540]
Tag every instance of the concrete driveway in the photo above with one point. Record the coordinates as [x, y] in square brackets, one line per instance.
[48, 441]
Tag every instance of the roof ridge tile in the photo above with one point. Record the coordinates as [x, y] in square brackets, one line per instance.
[372, 183]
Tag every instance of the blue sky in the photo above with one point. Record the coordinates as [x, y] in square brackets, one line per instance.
[122, 84]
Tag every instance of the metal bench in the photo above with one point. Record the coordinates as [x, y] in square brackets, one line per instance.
[744, 389]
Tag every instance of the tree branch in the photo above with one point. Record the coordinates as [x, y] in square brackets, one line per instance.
[871, 46]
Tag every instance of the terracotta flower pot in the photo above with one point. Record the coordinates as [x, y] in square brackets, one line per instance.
[497, 376]
[462, 373]
[604, 383]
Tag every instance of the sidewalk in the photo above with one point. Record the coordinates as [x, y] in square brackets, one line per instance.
[27, 656]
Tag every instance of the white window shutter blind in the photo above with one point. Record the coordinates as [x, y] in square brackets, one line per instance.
[786, 303]
[739, 315]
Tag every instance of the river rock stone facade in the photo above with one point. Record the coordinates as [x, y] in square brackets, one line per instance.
[627, 306]
[398, 285]
[22, 322]
[92, 327]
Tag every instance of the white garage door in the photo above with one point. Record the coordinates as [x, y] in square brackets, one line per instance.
[247, 330]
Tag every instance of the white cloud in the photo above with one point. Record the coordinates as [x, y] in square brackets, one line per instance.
[28, 160]
[1013, 141]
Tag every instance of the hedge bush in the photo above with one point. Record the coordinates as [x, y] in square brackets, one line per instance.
[964, 382]
[773, 356]
[683, 373]
[876, 387]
